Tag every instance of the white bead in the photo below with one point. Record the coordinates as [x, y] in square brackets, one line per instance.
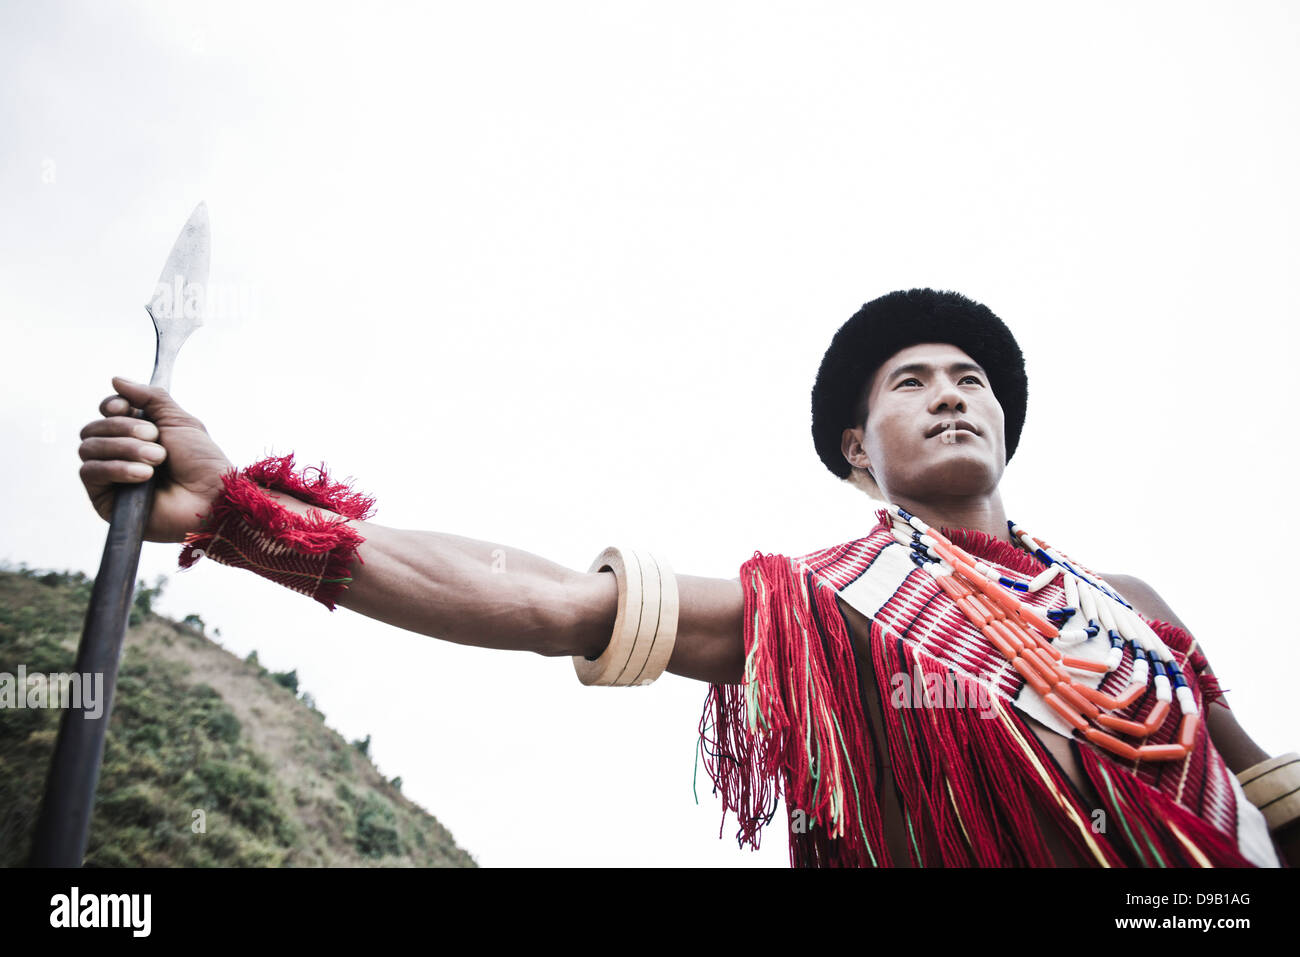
[1071, 590]
[1045, 578]
[1089, 603]
[1140, 671]
[1104, 606]
[1186, 701]
[1162, 688]
[1124, 624]
[1114, 658]
[1136, 628]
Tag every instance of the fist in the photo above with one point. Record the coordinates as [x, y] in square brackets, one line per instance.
[123, 449]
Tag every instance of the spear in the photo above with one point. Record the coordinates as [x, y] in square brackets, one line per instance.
[64, 823]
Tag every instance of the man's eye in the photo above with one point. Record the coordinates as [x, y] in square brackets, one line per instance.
[973, 378]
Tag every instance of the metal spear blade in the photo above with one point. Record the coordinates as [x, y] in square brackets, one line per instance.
[178, 300]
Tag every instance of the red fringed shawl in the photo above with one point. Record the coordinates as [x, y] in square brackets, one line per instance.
[968, 778]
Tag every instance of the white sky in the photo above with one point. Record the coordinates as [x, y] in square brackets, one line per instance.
[559, 276]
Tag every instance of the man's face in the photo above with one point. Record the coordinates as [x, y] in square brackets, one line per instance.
[933, 429]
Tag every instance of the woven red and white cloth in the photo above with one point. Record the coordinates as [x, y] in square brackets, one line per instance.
[247, 528]
[969, 780]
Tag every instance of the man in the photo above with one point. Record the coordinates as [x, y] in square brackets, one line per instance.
[919, 401]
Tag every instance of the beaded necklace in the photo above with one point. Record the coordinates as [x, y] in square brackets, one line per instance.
[1032, 642]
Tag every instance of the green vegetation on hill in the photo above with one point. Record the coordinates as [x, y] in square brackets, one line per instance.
[208, 760]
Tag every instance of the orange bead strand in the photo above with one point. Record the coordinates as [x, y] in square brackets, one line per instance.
[1024, 637]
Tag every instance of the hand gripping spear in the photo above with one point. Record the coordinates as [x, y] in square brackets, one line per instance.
[64, 824]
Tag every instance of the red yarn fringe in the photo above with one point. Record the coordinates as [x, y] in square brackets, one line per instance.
[1148, 823]
[243, 514]
[276, 472]
[798, 647]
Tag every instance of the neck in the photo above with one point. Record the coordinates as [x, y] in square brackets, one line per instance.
[984, 513]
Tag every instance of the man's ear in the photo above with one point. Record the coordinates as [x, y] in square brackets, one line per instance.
[851, 448]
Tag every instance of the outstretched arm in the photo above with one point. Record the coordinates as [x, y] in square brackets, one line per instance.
[480, 593]
[445, 586]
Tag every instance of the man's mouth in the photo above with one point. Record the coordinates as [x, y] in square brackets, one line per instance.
[950, 428]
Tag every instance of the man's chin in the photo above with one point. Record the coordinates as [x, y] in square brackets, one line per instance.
[967, 475]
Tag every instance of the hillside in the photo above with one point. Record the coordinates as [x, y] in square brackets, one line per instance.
[196, 728]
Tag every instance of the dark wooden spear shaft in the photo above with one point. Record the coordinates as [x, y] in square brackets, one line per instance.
[64, 823]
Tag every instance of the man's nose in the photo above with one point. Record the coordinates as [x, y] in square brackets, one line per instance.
[946, 396]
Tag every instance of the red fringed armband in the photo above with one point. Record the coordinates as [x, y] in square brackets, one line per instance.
[247, 528]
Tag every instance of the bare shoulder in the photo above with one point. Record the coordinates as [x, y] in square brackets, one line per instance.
[1144, 598]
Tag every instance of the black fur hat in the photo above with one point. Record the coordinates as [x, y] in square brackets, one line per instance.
[895, 321]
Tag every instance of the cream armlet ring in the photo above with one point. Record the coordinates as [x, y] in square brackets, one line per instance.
[1273, 786]
[645, 628]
